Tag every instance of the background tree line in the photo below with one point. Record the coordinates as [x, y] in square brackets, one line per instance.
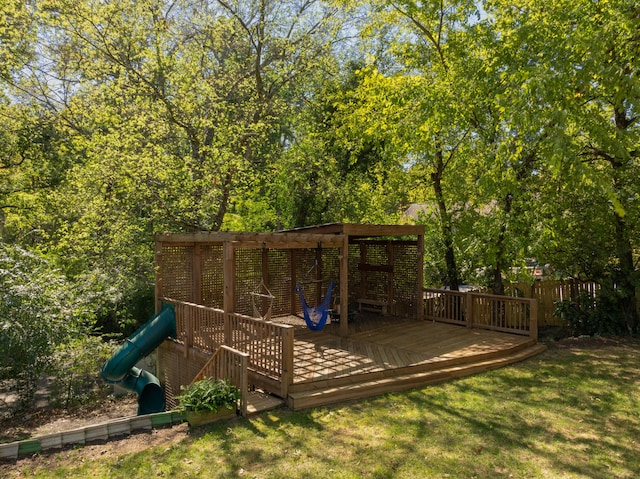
[515, 124]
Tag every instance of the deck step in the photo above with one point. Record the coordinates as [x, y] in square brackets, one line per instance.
[441, 364]
[313, 397]
[258, 401]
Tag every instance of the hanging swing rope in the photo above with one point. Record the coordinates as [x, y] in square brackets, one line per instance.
[262, 298]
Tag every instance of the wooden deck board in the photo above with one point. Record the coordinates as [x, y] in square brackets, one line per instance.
[383, 346]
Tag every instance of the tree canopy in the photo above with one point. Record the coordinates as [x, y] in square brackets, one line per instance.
[513, 125]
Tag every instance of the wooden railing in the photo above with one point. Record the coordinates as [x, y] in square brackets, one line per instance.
[231, 365]
[198, 326]
[445, 306]
[503, 313]
[485, 311]
[269, 345]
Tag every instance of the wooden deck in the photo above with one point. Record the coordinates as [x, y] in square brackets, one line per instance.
[384, 354]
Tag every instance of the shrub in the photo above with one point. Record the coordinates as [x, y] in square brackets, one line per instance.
[38, 312]
[590, 315]
[75, 368]
[208, 394]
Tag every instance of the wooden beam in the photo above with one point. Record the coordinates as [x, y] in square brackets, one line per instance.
[364, 230]
[386, 268]
[256, 240]
[158, 274]
[229, 278]
[382, 230]
[344, 287]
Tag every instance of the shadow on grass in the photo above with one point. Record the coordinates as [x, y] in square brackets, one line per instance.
[575, 410]
[568, 412]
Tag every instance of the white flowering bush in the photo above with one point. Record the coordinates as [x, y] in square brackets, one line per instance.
[38, 312]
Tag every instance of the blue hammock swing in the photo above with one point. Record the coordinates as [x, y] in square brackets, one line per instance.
[316, 318]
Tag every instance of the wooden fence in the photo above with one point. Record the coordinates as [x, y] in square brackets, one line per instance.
[269, 345]
[231, 365]
[485, 311]
[548, 293]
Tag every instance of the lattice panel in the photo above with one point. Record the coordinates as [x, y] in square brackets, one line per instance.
[280, 280]
[175, 272]
[175, 370]
[248, 278]
[354, 274]
[384, 271]
[405, 277]
[378, 270]
[312, 278]
[212, 280]
[331, 265]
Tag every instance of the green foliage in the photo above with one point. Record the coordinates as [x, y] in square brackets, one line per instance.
[590, 315]
[39, 311]
[75, 371]
[208, 394]
[516, 123]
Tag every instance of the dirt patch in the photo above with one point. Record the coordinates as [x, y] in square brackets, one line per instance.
[132, 444]
[47, 421]
[595, 342]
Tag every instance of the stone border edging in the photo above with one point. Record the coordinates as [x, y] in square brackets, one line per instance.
[95, 432]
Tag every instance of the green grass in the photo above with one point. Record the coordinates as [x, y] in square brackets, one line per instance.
[568, 413]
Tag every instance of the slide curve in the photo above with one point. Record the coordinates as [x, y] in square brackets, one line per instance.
[120, 368]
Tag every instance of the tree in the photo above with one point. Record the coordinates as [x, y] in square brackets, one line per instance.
[419, 103]
[589, 74]
[333, 170]
[174, 114]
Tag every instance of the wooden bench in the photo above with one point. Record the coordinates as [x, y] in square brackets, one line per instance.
[373, 305]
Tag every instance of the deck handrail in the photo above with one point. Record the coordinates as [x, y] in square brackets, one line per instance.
[483, 311]
[268, 344]
[231, 365]
[444, 306]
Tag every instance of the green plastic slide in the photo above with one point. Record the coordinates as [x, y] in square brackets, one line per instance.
[120, 369]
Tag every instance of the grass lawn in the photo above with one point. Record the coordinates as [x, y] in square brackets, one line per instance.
[572, 412]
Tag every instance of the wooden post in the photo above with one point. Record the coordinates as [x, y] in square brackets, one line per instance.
[158, 274]
[229, 275]
[196, 271]
[533, 319]
[344, 287]
[420, 278]
[469, 315]
[287, 361]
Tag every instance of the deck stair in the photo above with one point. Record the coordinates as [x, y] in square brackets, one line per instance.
[330, 391]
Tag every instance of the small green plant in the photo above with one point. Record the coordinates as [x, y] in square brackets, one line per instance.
[208, 394]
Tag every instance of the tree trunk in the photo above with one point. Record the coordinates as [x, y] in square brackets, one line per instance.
[452, 279]
[625, 277]
[498, 282]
